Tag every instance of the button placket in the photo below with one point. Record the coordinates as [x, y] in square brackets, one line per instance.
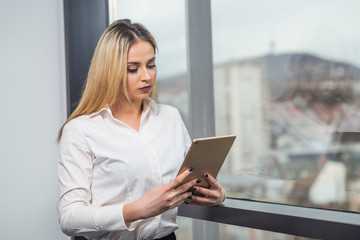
[155, 164]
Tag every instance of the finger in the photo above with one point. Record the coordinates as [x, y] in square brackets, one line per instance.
[174, 183]
[183, 198]
[203, 201]
[206, 192]
[216, 186]
[215, 194]
[186, 186]
[212, 181]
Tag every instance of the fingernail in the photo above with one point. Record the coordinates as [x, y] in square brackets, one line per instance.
[186, 202]
[194, 188]
[190, 169]
[206, 175]
[198, 181]
[189, 197]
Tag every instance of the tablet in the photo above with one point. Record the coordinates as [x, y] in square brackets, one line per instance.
[206, 155]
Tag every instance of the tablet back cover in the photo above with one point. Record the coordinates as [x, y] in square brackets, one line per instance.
[207, 155]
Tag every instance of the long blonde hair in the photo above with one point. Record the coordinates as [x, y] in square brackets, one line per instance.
[106, 79]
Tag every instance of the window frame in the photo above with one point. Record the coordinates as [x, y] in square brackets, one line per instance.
[91, 18]
[286, 219]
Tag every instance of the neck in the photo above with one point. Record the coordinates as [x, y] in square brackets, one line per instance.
[128, 113]
[123, 106]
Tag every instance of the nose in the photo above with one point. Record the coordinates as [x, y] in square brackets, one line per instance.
[145, 77]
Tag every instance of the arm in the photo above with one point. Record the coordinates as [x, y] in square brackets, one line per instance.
[159, 199]
[77, 214]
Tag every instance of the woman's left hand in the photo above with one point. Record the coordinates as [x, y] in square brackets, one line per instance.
[213, 195]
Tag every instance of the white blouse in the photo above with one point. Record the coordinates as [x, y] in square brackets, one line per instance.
[104, 164]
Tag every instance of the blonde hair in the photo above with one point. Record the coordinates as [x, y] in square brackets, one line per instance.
[106, 79]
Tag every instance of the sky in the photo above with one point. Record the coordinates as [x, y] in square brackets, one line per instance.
[245, 29]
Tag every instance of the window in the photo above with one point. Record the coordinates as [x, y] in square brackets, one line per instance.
[259, 113]
[286, 82]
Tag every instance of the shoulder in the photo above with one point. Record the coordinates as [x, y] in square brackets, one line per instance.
[166, 109]
[81, 126]
[77, 123]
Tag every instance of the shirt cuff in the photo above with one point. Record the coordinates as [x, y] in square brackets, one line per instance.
[111, 218]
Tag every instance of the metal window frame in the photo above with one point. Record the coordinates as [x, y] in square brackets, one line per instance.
[200, 77]
[294, 220]
[85, 20]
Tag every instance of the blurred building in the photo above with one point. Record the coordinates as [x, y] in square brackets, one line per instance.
[241, 93]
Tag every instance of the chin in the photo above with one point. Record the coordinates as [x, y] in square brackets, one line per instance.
[140, 97]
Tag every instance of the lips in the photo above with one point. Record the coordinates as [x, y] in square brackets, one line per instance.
[147, 88]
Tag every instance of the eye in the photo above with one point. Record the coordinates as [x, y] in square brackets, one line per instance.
[132, 70]
[151, 66]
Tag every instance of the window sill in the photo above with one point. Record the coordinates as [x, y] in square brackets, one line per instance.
[294, 220]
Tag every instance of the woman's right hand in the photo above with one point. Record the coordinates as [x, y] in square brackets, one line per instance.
[159, 199]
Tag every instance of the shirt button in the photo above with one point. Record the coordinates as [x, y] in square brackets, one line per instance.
[154, 157]
[157, 219]
[146, 145]
[159, 177]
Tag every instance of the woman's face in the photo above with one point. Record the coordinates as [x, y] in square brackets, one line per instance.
[141, 70]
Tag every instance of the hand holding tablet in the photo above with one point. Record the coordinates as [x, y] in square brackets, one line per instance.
[206, 155]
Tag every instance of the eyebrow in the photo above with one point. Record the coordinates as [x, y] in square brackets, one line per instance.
[137, 63]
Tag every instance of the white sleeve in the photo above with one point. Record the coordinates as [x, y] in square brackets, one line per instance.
[187, 139]
[75, 171]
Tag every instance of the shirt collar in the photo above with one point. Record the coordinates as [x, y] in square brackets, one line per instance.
[96, 113]
[148, 104]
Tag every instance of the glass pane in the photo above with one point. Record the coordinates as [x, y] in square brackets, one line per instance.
[230, 232]
[287, 83]
[185, 230]
[167, 25]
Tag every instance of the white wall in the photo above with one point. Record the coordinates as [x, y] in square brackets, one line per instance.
[32, 108]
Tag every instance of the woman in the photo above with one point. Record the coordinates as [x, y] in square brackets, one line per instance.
[120, 151]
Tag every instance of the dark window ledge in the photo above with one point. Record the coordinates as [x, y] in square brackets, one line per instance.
[294, 220]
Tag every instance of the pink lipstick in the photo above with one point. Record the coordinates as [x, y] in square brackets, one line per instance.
[145, 89]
